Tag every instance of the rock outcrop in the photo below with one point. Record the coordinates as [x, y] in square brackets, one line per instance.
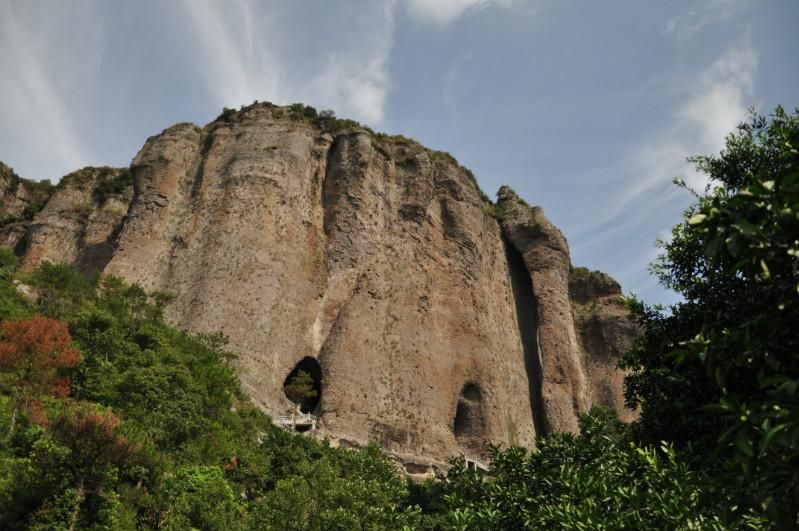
[543, 248]
[604, 330]
[80, 221]
[371, 262]
[20, 200]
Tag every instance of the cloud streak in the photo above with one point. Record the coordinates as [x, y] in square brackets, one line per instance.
[241, 65]
[685, 27]
[708, 110]
[442, 12]
[40, 115]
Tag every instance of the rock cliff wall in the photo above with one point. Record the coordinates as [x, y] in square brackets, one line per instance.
[368, 260]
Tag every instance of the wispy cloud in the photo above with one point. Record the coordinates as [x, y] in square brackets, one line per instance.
[356, 79]
[684, 27]
[452, 84]
[445, 11]
[711, 110]
[241, 65]
[708, 111]
[40, 116]
[238, 67]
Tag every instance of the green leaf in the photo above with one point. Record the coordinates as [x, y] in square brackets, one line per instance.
[744, 443]
[766, 273]
[771, 434]
[745, 227]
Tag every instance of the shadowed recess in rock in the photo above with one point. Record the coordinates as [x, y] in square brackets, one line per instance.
[469, 422]
[527, 318]
[303, 385]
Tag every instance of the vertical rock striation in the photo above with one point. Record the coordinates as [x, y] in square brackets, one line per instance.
[371, 260]
[564, 387]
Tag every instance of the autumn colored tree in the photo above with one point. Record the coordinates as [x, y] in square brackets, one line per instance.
[97, 450]
[34, 352]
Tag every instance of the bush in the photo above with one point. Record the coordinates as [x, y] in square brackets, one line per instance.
[598, 480]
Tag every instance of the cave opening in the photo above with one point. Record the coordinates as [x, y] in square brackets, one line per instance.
[469, 422]
[303, 385]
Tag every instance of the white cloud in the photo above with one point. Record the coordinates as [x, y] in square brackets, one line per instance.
[709, 111]
[452, 84]
[238, 67]
[684, 27]
[445, 11]
[242, 65]
[719, 103]
[41, 117]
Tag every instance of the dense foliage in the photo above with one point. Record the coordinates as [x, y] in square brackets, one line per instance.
[601, 479]
[155, 431]
[719, 373]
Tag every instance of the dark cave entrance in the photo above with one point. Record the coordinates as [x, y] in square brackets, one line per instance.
[303, 385]
[469, 423]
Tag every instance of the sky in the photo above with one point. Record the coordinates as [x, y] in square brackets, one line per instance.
[586, 108]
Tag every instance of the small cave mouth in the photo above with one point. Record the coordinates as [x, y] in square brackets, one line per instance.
[469, 422]
[303, 385]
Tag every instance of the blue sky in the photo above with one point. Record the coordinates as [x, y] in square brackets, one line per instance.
[587, 108]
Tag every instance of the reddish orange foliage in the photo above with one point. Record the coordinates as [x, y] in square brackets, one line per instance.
[94, 439]
[33, 350]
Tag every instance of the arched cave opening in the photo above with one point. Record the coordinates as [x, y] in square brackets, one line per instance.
[469, 422]
[303, 385]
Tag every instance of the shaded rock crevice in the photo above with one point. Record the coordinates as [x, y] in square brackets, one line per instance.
[527, 320]
[545, 254]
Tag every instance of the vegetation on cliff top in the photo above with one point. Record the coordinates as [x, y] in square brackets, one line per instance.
[39, 192]
[400, 147]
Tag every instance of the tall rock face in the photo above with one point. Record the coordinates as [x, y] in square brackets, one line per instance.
[543, 248]
[372, 263]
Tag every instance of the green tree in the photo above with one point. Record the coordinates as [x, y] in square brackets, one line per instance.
[598, 480]
[300, 389]
[720, 371]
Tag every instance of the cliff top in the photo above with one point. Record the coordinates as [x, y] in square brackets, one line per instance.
[398, 147]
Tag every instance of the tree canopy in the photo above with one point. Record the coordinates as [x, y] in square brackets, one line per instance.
[719, 372]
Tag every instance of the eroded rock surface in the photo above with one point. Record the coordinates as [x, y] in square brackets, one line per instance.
[80, 222]
[20, 200]
[605, 330]
[434, 327]
[564, 386]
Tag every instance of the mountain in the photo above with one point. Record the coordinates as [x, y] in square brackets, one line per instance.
[430, 318]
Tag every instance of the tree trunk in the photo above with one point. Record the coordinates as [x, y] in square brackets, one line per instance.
[73, 520]
[13, 420]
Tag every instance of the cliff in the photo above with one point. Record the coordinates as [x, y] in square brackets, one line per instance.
[20, 200]
[431, 320]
